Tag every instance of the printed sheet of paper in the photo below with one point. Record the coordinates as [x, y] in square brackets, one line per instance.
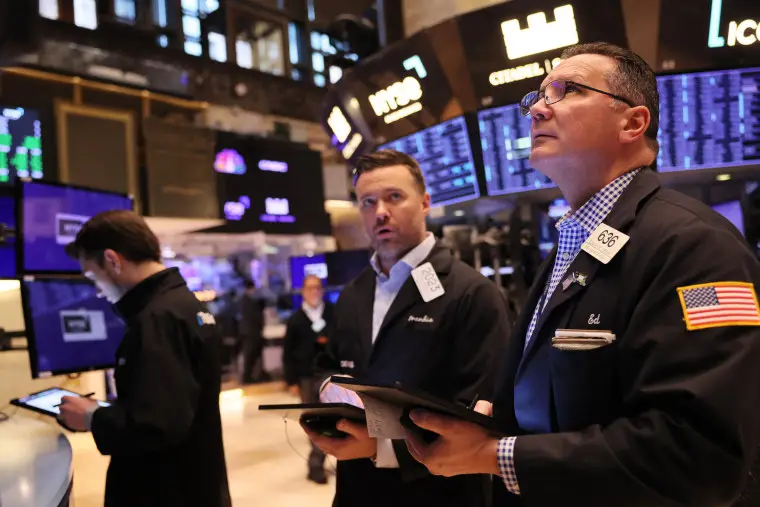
[383, 419]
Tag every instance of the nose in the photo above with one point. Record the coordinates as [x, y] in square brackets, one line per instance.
[540, 110]
[381, 212]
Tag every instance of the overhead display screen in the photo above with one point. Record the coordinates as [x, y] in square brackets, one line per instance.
[709, 34]
[20, 144]
[445, 157]
[269, 185]
[510, 47]
[505, 139]
[709, 120]
[51, 217]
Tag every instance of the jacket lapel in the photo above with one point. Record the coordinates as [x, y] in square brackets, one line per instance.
[621, 218]
[365, 294]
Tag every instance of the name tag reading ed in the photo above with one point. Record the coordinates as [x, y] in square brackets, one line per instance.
[427, 281]
[604, 243]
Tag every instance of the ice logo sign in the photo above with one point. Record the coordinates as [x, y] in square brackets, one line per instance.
[746, 32]
[67, 227]
[83, 325]
[540, 36]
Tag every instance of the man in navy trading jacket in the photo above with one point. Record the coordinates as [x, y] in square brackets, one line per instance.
[392, 325]
[632, 379]
[164, 433]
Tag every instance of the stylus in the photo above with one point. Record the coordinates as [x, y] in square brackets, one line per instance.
[83, 396]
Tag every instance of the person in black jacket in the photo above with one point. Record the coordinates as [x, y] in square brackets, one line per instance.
[252, 334]
[307, 333]
[416, 316]
[632, 380]
[164, 432]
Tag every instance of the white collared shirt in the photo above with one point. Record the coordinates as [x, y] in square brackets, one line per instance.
[313, 313]
[387, 288]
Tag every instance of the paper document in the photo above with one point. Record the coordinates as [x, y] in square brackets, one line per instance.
[383, 419]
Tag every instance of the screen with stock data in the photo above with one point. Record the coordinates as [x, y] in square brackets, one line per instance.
[20, 144]
[709, 120]
[505, 138]
[445, 156]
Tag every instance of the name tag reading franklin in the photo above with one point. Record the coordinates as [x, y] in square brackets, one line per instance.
[427, 281]
[604, 243]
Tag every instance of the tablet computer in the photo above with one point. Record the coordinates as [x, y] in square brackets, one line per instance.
[46, 402]
[297, 410]
[410, 398]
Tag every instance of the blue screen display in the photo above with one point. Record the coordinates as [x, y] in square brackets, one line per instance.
[300, 267]
[52, 217]
[7, 237]
[505, 137]
[709, 120]
[445, 157]
[72, 328]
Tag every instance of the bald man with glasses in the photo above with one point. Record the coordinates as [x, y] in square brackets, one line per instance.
[632, 378]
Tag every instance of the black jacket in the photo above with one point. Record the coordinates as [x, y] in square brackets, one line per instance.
[302, 344]
[164, 433]
[662, 416]
[448, 347]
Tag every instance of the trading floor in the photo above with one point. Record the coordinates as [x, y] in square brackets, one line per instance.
[264, 471]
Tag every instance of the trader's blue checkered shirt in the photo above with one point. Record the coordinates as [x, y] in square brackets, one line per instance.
[574, 228]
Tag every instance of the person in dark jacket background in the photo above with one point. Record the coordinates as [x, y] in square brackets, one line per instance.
[307, 333]
[252, 334]
[164, 432]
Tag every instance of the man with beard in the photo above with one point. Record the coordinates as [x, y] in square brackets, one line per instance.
[164, 433]
[417, 316]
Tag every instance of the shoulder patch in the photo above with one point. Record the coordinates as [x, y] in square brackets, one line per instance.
[206, 319]
[719, 304]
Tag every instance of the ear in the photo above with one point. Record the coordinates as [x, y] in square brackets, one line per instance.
[636, 124]
[112, 259]
[426, 203]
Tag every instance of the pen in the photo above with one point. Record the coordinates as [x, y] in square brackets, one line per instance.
[473, 403]
[88, 395]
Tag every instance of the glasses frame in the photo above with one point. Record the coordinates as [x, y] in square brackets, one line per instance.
[535, 96]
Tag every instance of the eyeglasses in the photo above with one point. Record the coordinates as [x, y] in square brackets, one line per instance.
[555, 91]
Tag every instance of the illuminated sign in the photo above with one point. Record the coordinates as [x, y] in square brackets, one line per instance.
[229, 162]
[339, 124]
[540, 36]
[400, 99]
[746, 32]
[350, 148]
[234, 210]
[68, 226]
[277, 210]
[13, 114]
[273, 166]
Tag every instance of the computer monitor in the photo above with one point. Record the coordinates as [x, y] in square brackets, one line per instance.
[732, 211]
[301, 266]
[345, 265]
[68, 327]
[51, 215]
[7, 236]
[20, 144]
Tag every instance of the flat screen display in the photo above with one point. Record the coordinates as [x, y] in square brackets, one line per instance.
[303, 266]
[709, 120]
[732, 211]
[69, 328]
[708, 34]
[52, 215]
[445, 157]
[7, 237]
[20, 144]
[505, 139]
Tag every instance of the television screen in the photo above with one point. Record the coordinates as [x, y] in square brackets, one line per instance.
[505, 139]
[345, 265]
[302, 266]
[20, 144]
[69, 328]
[709, 120]
[732, 211]
[7, 237]
[51, 217]
[445, 156]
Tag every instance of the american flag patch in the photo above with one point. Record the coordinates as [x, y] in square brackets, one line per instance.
[719, 304]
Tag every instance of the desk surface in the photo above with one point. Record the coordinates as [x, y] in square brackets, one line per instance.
[35, 462]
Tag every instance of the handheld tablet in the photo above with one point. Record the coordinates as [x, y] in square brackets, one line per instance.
[409, 398]
[322, 418]
[46, 402]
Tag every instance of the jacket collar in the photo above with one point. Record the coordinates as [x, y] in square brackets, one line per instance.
[139, 296]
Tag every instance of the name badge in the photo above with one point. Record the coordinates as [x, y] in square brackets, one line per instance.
[318, 325]
[604, 243]
[427, 281]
